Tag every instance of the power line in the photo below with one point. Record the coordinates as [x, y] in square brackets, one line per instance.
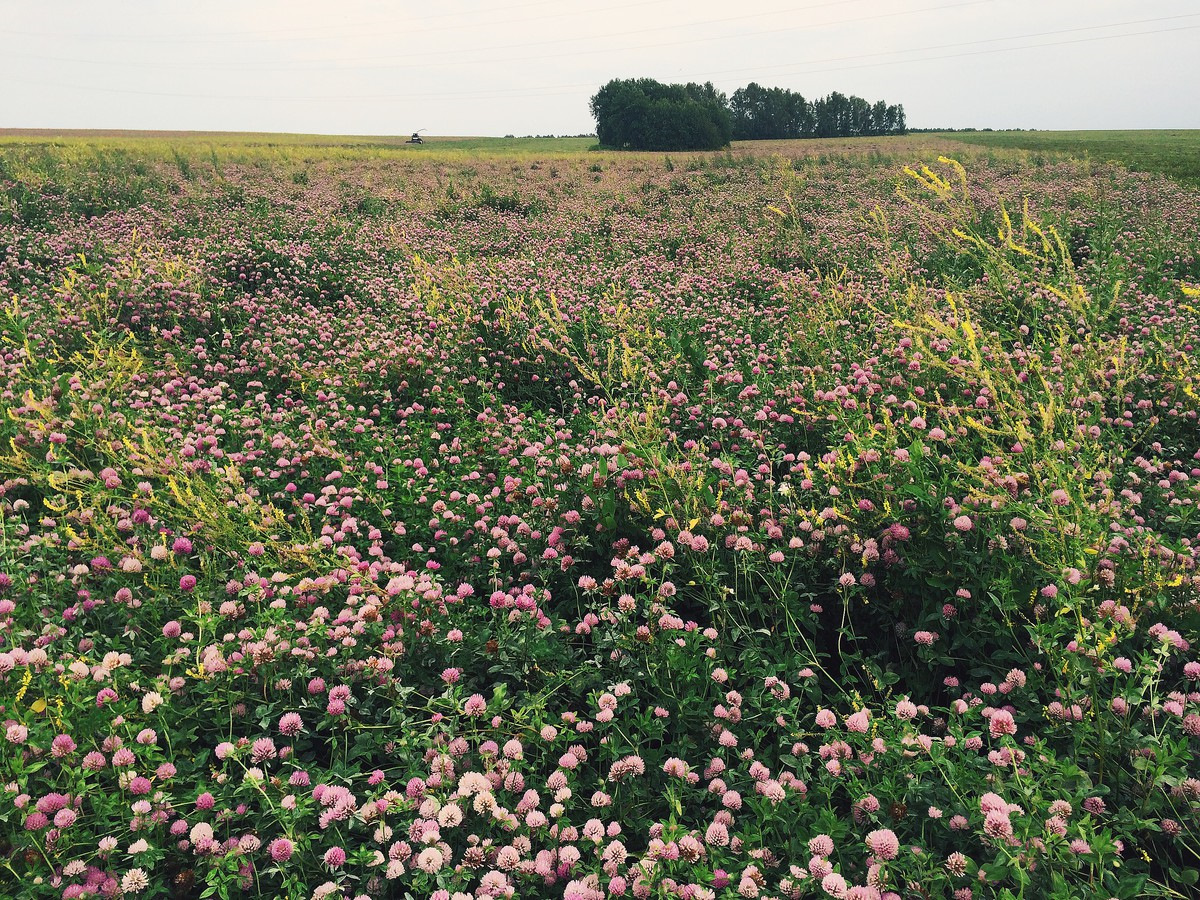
[488, 94]
[672, 26]
[1102, 37]
[567, 40]
[409, 31]
[216, 36]
[557, 90]
[580, 52]
[1015, 37]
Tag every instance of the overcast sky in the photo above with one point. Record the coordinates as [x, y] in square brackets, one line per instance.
[458, 67]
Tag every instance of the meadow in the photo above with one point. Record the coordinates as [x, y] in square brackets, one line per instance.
[1173, 153]
[812, 519]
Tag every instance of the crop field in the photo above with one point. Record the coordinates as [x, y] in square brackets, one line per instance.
[1174, 153]
[811, 519]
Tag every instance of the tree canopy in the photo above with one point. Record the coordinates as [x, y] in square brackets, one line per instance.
[763, 113]
[644, 114]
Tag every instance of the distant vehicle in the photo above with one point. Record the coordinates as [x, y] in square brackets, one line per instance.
[415, 139]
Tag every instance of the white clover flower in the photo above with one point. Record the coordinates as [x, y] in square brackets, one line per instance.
[134, 881]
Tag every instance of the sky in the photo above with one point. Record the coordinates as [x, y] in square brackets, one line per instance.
[464, 67]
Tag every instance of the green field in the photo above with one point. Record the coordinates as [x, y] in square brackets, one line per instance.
[1171, 153]
[226, 142]
[1175, 152]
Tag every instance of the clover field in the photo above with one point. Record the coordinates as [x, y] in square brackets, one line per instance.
[811, 520]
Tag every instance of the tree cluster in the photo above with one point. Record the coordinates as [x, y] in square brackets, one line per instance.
[644, 114]
[761, 113]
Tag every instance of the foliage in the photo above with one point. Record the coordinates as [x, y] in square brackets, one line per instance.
[775, 113]
[579, 526]
[644, 114]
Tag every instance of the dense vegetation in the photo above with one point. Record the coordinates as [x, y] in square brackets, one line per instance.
[644, 114]
[776, 113]
[402, 523]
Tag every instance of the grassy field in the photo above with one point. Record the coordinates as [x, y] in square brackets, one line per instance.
[232, 142]
[252, 146]
[499, 519]
[1175, 153]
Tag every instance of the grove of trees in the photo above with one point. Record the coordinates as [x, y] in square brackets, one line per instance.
[644, 114]
[762, 113]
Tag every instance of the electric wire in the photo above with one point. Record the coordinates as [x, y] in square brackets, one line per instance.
[562, 90]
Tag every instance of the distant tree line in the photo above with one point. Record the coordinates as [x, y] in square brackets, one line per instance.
[964, 130]
[761, 113]
[644, 114]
